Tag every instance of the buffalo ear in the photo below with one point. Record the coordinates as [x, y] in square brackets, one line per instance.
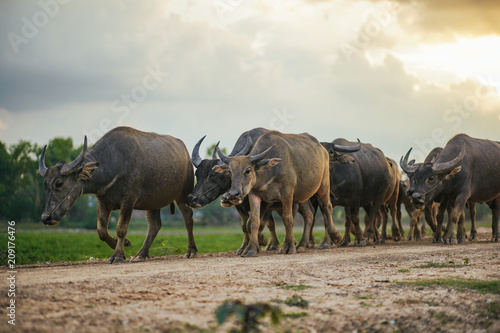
[220, 168]
[345, 159]
[270, 162]
[453, 172]
[87, 170]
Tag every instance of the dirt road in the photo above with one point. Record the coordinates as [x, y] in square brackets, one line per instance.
[350, 289]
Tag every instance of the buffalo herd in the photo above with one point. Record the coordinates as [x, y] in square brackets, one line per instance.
[268, 171]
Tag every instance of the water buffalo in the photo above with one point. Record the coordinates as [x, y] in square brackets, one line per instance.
[211, 184]
[361, 179]
[126, 169]
[465, 170]
[416, 232]
[296, 169]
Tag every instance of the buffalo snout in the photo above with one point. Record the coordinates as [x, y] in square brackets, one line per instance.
[194, 202]
[417, 200]
[49, 219]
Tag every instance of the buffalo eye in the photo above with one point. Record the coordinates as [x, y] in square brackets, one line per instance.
[58, 184]
[431, 179]
[247, 171]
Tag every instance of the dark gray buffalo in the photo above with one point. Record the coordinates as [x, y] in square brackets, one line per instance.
[363, 178]
[126, 169]
[466, 170]
[281, 168]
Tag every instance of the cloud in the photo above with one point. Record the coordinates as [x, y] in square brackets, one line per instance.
[444, 20]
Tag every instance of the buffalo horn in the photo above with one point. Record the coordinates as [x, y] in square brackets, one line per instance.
[42, 169]
[246, 149]
[195, 156]
[347, 149]
[448, 166]
[73, 165]
[214, 154]
[223, 157]
[257, 158]
[408, 168]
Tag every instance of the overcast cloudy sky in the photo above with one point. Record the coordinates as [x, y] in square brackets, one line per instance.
[395, 74]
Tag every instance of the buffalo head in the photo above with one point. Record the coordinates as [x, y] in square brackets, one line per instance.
[242, 169]
[209, 184]
[428, 180]
[63, 184]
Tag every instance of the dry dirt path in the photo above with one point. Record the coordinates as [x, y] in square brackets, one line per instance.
[352, 289]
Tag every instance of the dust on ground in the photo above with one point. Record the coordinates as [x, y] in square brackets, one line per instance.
[352, 289]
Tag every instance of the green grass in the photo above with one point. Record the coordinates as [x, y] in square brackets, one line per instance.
[443, 265]
[35, 244]
[295, 287]
[406, 270]
[484, 287]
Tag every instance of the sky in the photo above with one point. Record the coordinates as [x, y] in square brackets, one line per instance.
[396, 74]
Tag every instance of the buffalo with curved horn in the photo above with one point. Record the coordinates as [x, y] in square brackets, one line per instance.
[126, 169]
[281, 168]
[466, 170]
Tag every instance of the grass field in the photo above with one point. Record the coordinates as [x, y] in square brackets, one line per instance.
[38, 244]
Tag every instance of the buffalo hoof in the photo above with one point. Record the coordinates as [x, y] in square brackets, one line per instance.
[382, 241]
[324, 246]
[361, 243]
[262, 240]
[115, 260]
[272, 247]
[289, 250]
[461, 240]
[300, 249]
[190, 255]
[494, 240]
[240, 251]
[127, 242]
[138, 259]
[250, 253]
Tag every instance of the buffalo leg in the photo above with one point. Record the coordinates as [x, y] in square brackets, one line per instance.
[396, 227]
[450, 237]
[472, 215]
[246, 233]
[118, 255]
[461, 234]
[305, 211]
[439, 223]
[187, 216]
[359, 240]
[253, 226]
[495, 210]
[429, 216]
[154, 225]
[288, 246]
[348, 223]
[102, 226]
[422, 225]
[327, 208]
[385, 218]
[413, 222]
[271, 225]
